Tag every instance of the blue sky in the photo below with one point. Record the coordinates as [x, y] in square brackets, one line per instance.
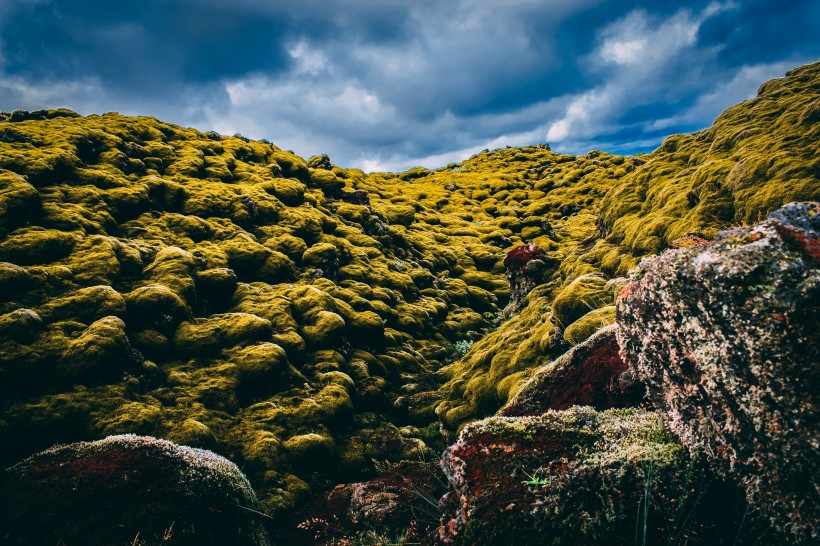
[387, 85]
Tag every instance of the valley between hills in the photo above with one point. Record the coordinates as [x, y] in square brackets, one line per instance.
[484, 353]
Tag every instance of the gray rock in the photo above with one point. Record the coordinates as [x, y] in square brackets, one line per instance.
[725, 335]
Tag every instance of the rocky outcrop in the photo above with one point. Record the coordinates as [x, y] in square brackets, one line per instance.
[579, 477]
[590, 374]
[526, 268]
[725, 336]
[128, 490]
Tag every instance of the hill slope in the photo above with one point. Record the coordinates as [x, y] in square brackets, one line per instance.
[305, 320]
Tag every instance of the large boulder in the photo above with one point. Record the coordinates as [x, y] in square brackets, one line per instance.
[578, 477]
[128, 490]
[725, 335]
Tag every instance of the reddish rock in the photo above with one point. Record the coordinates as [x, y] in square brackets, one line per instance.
[128, 490]
[590, 374]
[402, 499]
[526, 268]
[580, 477]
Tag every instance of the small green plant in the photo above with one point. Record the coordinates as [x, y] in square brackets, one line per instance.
[537, 479]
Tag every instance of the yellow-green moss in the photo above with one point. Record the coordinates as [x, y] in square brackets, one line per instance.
[588, 324]
[131, 238]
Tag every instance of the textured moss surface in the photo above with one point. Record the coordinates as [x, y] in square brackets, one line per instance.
[226, 293]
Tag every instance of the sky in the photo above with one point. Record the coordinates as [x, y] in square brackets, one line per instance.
[391, 84]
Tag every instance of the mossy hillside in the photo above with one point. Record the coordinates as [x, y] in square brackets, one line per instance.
[206, 289]
[756, 156]
[204, 255]
[641, 205]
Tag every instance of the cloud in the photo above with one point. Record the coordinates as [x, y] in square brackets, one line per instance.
[636, 54]
[394, 84]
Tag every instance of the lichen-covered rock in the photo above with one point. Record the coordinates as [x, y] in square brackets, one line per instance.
[128, 490]
[582, 477]
[590, 374]
[725, 336]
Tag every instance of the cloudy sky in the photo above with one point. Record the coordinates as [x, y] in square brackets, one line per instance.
[390, 84]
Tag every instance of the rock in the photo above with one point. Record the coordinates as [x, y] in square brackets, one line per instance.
[356, 197]
[402, 498]
[128, 490]
[319, 162]
[526, 266]
[590, 374]
[579, 477]
[725, 336]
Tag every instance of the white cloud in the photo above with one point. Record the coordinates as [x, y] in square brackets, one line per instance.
[634, 54]
[308, 60]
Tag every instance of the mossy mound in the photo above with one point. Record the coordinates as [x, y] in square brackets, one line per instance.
[225, 292]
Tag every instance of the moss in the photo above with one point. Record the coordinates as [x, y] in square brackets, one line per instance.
[320, 255]
[20, 325]
[102, 348]
[156, 304]
[586, 293]
[19, 201]
[13, 278]
[311, 446]
[28, 246]
[85, 305]
[214, 243]
[325, 180]
[588, 324]
[203, 336]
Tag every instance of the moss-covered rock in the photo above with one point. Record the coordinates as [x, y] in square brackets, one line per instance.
[588, 324]
[580, 477]
[584, 294]
[161, 493]
[203, 336]
[590, 374]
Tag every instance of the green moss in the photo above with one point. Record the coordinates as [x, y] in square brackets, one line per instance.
[213, 243]
[203, 336]
[27, 246]
[19, 201]
[585, 294]
[588, 324]
[85, 305]
[100, 349]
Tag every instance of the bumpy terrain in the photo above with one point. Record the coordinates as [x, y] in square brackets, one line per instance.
[307, 321]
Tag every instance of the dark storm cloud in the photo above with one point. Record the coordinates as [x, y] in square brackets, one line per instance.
[395, 83]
